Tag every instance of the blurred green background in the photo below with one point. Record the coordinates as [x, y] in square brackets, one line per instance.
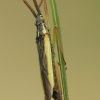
[19, 67]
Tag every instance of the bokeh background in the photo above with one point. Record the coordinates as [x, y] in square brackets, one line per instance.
[19, 67]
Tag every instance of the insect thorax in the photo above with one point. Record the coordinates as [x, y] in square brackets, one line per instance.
[41, 26]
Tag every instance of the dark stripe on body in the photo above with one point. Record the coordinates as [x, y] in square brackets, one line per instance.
[43, 67]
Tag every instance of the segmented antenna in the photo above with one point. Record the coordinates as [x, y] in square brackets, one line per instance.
[37, 7]
[31, 9]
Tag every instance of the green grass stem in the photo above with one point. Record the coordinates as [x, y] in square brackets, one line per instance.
[56, 21]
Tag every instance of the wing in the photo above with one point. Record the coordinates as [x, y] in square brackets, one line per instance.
[46, 69]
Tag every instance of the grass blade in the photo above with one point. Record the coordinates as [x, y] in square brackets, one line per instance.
[56, 21]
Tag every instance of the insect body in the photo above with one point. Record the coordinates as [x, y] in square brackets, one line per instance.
[45, 57]
[50, 72]
[44, 50]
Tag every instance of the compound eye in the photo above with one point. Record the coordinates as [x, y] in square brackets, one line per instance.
[42, 19]
[41, 16]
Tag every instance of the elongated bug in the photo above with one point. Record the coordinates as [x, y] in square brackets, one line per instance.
[49, 69]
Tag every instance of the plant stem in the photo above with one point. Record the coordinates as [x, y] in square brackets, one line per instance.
[56, 21]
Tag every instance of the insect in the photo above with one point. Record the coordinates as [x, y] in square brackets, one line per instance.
[49, 68]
